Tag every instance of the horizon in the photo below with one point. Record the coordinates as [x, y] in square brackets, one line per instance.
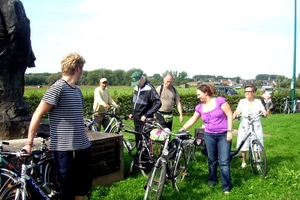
[233, 38]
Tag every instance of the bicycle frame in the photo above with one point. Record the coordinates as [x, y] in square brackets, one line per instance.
[250, 133]
[23, 178]
[163, 166]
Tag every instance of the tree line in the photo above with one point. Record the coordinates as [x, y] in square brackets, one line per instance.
[122, 78]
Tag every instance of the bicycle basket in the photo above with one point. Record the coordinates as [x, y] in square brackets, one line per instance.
[158, 134]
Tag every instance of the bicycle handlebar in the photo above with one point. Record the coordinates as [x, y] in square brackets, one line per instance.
[18, 154]
[3, 142]
[151, 123]
[250, 117]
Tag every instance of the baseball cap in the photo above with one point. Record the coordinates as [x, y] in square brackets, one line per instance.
[103, 80]
[136, 78]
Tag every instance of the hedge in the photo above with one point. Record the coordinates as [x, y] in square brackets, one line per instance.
[188, 101]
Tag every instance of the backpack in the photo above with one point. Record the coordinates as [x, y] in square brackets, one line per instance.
[162, 87]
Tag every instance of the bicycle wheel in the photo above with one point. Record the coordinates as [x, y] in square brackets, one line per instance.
[297, 108]
[180, 167]
[50, 176]
[189, 150]
[145, 160]
[7, 180]
[156, 181]
[258, 158]
[286, 109]
[128, 135]
[14, 193]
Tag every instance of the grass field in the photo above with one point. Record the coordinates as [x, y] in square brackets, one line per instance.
[281, 138]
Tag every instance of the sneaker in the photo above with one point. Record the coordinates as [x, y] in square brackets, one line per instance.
[226, 192]
[243, 165]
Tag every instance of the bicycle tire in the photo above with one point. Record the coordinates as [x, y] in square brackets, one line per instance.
[296, 108]
[7, 180]
[180, 168]
[50, 176]
[14, 193]
[145, 160]
[189, 150]
[156, 181]
[128, 135]
[258, 158]
[285, 109]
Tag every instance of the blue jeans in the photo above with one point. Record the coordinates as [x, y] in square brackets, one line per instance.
[218, 150]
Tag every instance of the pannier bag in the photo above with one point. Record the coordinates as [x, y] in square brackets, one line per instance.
[199, 137]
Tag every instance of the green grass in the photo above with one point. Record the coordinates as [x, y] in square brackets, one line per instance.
[281, 140]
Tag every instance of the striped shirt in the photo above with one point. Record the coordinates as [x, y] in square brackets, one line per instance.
[66, 117]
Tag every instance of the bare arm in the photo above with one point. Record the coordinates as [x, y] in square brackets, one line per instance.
[227, 110]
[179, 108]
[42, 109]
[191, 121]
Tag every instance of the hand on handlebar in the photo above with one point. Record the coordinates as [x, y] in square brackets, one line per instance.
[26, 149]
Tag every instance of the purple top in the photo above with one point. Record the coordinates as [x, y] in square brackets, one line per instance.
[215, 120]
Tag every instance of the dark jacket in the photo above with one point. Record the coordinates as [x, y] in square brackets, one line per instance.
[145, 102]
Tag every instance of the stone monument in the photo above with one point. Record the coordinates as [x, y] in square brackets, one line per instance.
[15, 56]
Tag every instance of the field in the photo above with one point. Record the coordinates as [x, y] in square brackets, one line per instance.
[281, 138]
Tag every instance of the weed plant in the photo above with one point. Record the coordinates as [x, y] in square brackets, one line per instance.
[281, 139]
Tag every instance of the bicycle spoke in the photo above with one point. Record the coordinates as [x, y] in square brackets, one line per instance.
[258, 158]
[156, 182]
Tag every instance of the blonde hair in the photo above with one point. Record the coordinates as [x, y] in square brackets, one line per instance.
[70, 62]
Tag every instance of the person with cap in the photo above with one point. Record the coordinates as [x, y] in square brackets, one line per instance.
[102, 102]
[169, 97]
[145, 102]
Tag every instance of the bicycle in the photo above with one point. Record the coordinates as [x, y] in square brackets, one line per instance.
[296, 106]
[290, 106]
[285, 107]
[19, 189]
[257, 153]
[142, 153]
[172, 165]
[43, 165]
[89, 123]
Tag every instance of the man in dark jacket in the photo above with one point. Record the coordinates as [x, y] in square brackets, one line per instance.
[145, 102]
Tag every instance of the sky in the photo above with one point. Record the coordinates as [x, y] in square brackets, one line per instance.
[201, 37]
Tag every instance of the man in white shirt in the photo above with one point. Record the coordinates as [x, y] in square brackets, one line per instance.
[102, 102]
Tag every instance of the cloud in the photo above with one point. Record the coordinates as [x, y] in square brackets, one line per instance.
[229, 38]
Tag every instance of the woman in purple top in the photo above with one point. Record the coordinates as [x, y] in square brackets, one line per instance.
[217, 117]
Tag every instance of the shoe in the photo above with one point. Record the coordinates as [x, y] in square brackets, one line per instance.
[226, 192]
[243, 165]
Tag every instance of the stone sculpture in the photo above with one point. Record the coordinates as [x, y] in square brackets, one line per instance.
[15, 56]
